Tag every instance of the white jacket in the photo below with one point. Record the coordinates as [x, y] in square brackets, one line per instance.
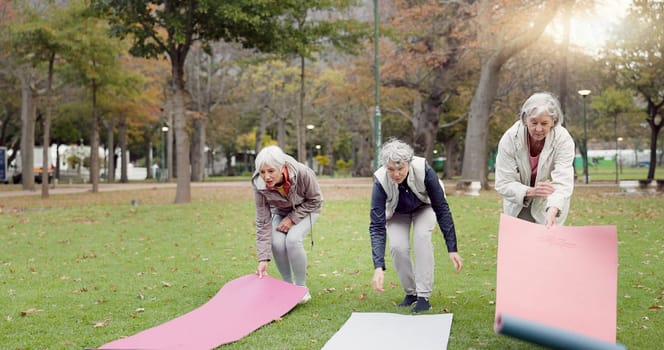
[555, 164]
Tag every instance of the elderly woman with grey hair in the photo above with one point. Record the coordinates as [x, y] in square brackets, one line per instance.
[534, 165]
[407, 192]
[288, 202]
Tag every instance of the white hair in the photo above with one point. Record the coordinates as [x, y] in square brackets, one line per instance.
[272, 156]
[396, 151]
[540, 103]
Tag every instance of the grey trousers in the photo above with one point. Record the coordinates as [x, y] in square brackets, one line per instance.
[420, 280]
[288, 251]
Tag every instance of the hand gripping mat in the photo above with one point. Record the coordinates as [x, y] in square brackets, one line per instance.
[239, 308]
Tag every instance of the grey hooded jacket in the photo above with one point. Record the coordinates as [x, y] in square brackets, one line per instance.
[304, 197]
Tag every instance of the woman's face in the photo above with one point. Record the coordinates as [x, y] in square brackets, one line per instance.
[271, 175]
[539, 126]
[397, 172]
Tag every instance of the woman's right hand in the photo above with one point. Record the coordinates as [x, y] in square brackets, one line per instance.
[378, 278]
[541, 189]
[261, 270]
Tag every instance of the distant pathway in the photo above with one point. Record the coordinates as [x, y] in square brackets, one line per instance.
[132, 186]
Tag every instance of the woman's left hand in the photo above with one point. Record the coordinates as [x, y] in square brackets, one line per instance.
[285, 224]
[457, 261]
[551, 216]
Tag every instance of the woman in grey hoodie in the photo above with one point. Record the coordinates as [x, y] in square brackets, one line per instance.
[288, 202]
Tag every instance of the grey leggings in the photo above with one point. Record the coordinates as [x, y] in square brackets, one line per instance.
[288, 251]
[423, 220]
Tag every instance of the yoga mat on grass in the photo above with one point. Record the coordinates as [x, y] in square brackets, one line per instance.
[239, 308]
[387, 331]
[558, 283]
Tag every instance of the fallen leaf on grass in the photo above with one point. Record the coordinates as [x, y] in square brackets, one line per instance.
[30, 311]
[100, 324]
[136, 312]
[655, 307]
[165, 284]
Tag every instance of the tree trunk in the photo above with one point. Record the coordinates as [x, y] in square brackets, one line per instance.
[362, 165]
[122, 142]
[46, 164]
[149, 158]
[110, 154]
[170, 170]
[452, 152]
[299, 124]
[198, 149]
[27, 134]
[183, 171]
[94, 142]
[655, 126]
[475, 155]
[281, 132]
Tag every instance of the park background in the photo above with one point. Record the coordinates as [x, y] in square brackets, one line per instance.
[190, 100]
[186, 94]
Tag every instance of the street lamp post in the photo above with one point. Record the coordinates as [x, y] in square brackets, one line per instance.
[310, 157]
[618, 158]
[164, 170]
[583, 94]
[615, 137]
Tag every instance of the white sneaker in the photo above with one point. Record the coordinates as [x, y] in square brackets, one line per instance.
[305, 298]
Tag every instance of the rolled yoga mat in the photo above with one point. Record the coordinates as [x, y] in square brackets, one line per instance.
[550, 337]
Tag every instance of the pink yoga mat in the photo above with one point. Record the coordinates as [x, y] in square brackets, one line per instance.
[565, 277]
[239, 308]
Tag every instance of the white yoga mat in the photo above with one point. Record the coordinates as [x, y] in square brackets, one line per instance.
[385, 331]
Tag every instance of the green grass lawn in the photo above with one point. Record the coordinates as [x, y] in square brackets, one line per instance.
[606, 170]
[81, 270]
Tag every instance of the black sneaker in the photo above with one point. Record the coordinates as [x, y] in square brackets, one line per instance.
[408, 300]
[422, 305]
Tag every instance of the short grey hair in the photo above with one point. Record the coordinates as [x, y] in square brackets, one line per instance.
[396, 151]
[272, 156]
[540, 103]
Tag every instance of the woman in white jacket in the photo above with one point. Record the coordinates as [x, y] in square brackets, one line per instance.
[534, 171]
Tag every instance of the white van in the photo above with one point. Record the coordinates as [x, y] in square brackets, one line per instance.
[16, 173]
